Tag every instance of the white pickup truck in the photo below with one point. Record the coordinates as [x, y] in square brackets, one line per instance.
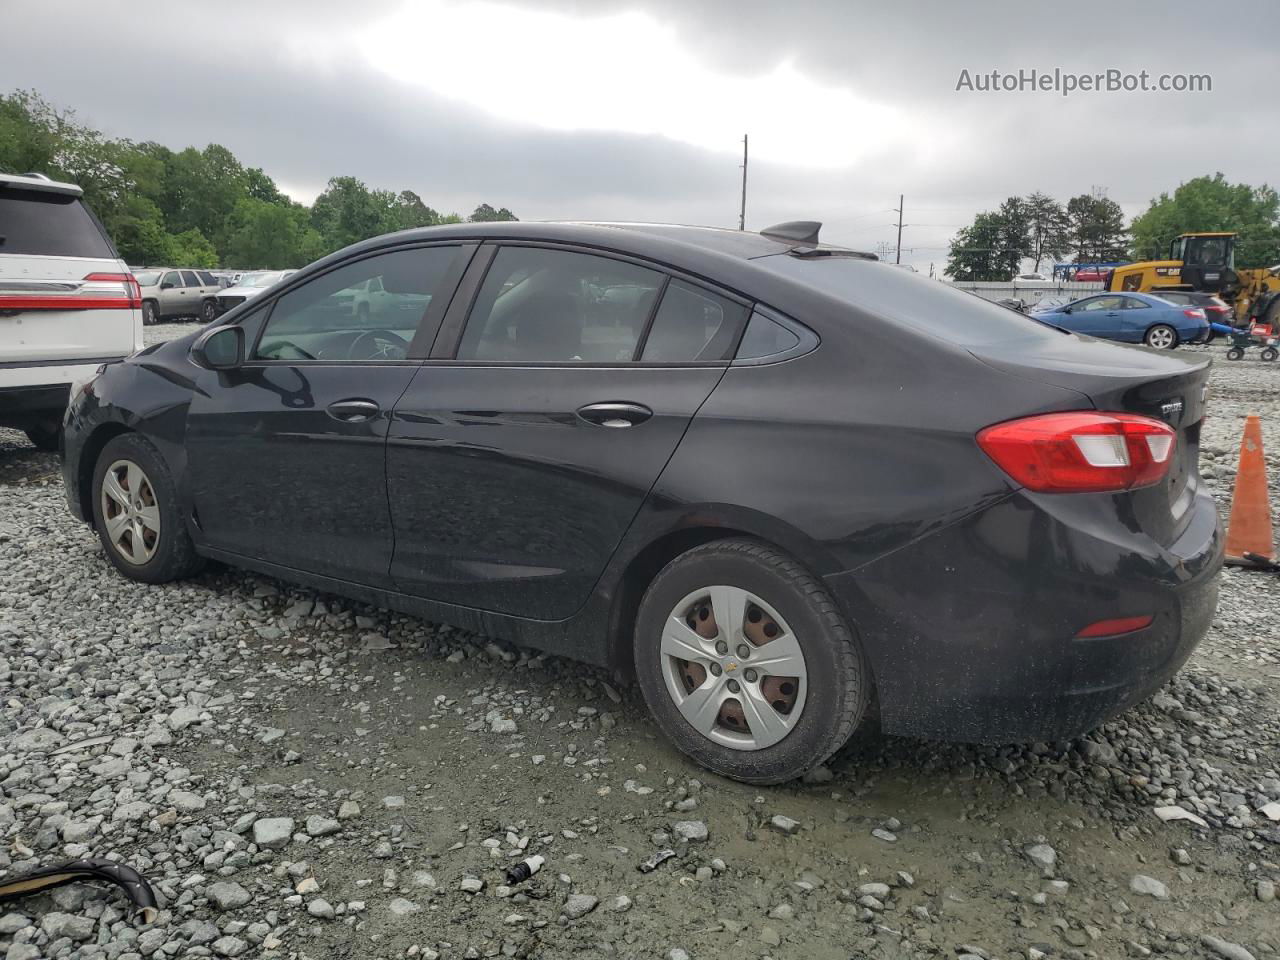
[67, 302]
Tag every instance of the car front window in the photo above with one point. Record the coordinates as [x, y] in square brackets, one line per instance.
[331, 316]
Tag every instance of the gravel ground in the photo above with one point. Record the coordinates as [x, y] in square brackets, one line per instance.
[301, 776]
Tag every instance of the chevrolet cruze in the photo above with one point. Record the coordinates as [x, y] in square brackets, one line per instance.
[791, 489]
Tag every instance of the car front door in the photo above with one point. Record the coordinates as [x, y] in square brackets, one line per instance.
[287, 451]
[172, 294]
[1097, 316]
[523, 449]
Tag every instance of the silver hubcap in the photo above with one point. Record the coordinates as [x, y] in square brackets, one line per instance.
[130, 512]
[1160, 339]
[733, 667]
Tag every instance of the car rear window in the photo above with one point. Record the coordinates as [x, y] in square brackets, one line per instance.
[908, 299]
[40, 223]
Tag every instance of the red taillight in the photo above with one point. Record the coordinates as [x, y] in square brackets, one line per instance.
[1110, 628]
[1218, 309]
[130, 288]
[1081, 452]
[1195, 313]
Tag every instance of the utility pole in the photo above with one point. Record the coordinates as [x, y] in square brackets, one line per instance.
[742, 212]
[898, 208]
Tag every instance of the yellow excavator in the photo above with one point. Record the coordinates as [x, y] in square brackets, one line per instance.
[1206, 262]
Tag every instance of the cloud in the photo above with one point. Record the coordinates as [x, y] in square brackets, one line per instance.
[633, 109]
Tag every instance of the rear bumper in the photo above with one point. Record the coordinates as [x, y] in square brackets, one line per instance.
[972, 632]
[21, 407]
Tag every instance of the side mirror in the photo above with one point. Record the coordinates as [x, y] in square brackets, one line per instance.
[1066, 309]
[166, 286]
[221, 348]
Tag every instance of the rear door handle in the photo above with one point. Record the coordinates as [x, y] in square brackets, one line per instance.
[353, 411]
[615, 414]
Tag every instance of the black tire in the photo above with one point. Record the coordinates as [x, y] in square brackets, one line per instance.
[44, 436]
[150, 316]
[1158, 335]
[1269, 353]
[175, 556]
[838, 683]
[208, 312]
[1235, 353]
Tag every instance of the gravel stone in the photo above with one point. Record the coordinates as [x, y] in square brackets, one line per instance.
[579, 905]
[272, 833]
[1149, 887]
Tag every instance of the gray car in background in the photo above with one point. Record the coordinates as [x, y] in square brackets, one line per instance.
[172, 292]
[249, 286]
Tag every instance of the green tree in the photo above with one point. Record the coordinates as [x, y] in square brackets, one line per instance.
[1212, 203]
[139, 234]
[409, 211]
[271, 236]
[486, 214]
[259, 186]
[348, 212]
[975, 251]
[1048, 228]
[192, 249]
[1096, 228]
[1013, 237]
[201, 189]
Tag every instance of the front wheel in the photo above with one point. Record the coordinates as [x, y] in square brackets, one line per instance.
[746, 663]
[1269, 353]
[136, 513]
[1161, 337]
[149, 314]
[208, 312]
[1235, 353]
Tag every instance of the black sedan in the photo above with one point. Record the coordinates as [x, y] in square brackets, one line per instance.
[777, 480]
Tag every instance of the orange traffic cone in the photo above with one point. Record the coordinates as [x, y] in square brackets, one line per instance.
[1249, 530]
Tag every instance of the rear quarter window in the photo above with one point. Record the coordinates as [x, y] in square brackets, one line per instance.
[908, 300]
[39, 223]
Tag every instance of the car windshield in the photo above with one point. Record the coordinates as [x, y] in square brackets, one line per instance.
[261, 280]
[147, 278]
[907, 299]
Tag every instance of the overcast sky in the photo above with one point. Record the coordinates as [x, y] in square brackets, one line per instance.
[634, 109]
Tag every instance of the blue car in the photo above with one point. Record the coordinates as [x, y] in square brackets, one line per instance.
[1129, 318]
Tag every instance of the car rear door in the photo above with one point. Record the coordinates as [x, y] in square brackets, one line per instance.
[287, 452]
[522, 450]
[65, 297]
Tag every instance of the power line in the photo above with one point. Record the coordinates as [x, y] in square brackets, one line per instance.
[742, 211]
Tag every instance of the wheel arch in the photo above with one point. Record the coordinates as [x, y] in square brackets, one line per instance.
[645, 564]
[89, 453]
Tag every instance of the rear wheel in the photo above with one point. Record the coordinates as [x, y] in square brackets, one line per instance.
[1269, 353]
[747, 664]
[43, 436]
[1235, 353]
[135, 511]
[149, 314]
[1161, 337]
[208, 312]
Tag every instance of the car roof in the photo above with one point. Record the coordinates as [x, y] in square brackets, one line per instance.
[621, 236]
[38, 181]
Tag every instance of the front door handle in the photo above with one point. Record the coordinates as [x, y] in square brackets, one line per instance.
[353, 411]
[615, 414]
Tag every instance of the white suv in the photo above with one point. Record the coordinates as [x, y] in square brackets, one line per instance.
[67, 302]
